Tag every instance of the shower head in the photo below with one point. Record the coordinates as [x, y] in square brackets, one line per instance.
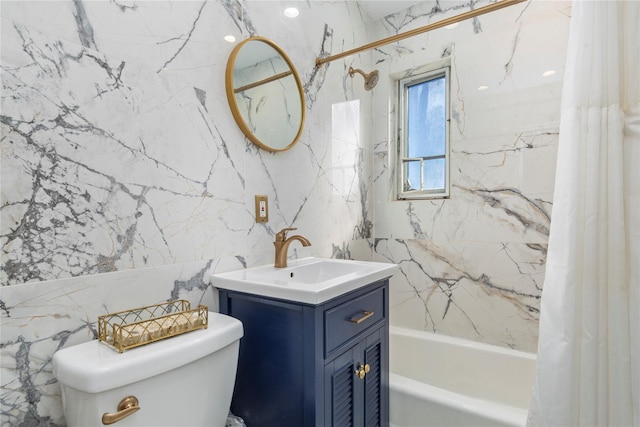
[370, 80]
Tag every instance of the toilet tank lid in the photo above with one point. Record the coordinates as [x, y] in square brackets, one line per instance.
[94, 367]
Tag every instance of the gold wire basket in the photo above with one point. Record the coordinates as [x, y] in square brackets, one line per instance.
[139, 326]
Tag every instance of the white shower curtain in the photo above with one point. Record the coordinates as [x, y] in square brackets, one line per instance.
[588, 368]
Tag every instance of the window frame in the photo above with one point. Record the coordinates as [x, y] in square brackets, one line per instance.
[437, 71]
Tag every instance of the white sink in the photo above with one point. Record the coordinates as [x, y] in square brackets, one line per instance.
[308, 280]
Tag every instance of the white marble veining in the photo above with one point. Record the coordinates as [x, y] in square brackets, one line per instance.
[473, 265]
[125, 180]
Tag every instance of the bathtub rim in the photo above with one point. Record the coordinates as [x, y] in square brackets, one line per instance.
[462, 342]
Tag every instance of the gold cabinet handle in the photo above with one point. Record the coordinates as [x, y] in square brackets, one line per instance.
[126, 407]
[365, 316]
[362, 371]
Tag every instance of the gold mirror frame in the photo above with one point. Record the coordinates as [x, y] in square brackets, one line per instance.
[232, 90]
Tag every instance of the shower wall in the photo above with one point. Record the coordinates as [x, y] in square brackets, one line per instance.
[472, 265]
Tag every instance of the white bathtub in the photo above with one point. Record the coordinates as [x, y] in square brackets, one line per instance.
[436, 380]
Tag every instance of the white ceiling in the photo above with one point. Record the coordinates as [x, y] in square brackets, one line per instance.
[378, 9]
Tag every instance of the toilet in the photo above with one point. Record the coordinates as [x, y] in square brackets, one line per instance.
[186, 380]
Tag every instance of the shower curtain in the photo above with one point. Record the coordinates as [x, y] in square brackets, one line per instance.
[589, 344]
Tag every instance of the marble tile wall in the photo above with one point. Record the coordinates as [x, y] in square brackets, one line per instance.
[126, 181]
[472, 265]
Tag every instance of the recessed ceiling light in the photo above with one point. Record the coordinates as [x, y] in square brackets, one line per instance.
[291, 12]
[229, 38]
[549, 73]
[483, 87]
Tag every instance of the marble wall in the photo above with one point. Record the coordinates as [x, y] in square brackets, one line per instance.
[126, 181]
[472, 265]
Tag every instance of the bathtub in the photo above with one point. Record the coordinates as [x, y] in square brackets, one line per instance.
[436, 380]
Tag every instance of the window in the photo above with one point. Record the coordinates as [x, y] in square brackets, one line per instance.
[423, 141]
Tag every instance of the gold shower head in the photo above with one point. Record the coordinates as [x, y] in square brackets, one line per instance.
[370, 80]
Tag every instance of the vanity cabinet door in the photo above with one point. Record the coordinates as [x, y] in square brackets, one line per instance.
[354, 385]
[342, 391]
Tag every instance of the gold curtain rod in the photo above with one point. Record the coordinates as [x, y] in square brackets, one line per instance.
[448, 21]
[263, 81]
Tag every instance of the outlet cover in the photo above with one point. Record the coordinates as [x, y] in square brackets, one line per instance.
[262, 208]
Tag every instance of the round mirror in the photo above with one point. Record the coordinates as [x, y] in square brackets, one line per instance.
[265, 94]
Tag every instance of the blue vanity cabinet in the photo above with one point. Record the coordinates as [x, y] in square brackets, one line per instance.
[303, 365]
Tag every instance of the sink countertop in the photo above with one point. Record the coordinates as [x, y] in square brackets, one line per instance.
[308, 280]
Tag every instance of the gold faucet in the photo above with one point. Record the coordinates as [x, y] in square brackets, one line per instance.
[282, 245]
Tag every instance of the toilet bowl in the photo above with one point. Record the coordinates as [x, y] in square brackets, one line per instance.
[185, 381]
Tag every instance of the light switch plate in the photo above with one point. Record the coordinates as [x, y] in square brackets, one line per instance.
[262, 208]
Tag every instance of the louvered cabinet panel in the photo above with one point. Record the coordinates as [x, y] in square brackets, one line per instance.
[341, 392]
[373, 386]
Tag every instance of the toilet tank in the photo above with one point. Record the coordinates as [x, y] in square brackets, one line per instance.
[186, 380]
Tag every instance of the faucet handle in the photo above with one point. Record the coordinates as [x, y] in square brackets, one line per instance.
[282, 234]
